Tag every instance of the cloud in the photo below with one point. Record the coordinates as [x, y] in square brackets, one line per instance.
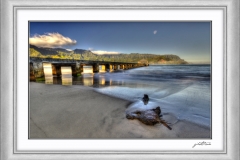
[155, 32]
[51, 40]
[104, 52]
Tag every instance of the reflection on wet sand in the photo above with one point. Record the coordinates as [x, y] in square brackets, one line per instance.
[102, 80]
[66, 75]
[66, 80]
[110, 82]
[48, 80]
[87, 79]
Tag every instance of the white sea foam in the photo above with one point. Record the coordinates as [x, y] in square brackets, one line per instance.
[187, 104]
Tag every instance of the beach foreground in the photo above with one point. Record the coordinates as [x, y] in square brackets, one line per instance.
[78, 112]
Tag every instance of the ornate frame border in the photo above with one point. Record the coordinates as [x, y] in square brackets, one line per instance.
[8, 75]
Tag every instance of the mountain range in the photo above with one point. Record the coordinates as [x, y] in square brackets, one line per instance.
[81, 54]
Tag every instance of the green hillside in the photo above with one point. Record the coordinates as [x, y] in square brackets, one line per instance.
[81, 54]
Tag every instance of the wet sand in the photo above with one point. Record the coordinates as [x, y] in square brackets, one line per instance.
[78, 112]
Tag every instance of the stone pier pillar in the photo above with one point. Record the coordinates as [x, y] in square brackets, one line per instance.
[101, 68]
[111, 67]
[87, 69]
[115, 67]
[122, 66]
[48, 74]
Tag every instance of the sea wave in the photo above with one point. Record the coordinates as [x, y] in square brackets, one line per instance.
[182, 91]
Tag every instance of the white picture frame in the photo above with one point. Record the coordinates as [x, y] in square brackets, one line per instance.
[9, 72]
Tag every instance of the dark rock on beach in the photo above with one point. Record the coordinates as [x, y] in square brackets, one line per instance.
[148, 117]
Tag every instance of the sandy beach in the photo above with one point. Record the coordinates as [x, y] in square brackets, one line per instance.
[79, 112]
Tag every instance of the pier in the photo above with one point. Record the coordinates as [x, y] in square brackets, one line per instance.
[47, 67]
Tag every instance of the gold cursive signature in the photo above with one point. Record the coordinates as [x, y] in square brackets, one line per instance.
[201, 144]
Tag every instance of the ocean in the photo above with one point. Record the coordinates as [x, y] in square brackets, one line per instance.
[183, 92]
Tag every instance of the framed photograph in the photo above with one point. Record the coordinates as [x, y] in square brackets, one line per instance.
[119, 79]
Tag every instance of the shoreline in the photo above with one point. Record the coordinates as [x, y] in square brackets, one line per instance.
[80, 112]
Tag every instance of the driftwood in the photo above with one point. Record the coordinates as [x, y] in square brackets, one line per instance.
[148, 117]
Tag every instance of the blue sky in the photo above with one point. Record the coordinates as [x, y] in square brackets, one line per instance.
[189, 40]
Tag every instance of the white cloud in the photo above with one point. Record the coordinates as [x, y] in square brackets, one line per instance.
[68, 49]
[104, 52]
[51, 40]
[155, 32]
